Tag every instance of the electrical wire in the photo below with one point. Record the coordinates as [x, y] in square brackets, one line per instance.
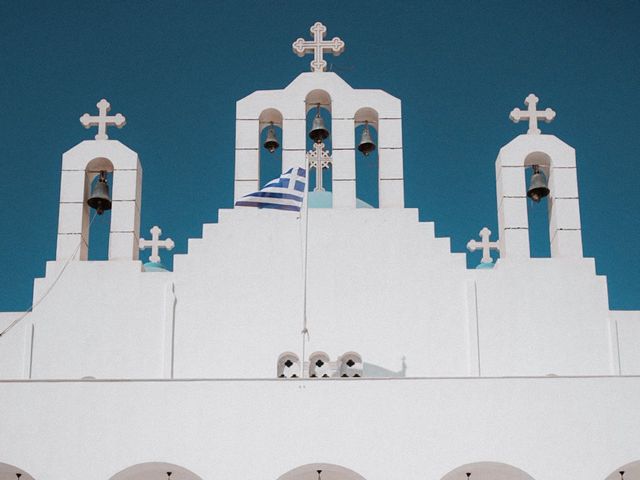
[53, 284]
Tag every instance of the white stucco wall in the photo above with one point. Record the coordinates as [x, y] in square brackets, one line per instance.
[627, 327]
[411, 429]
[379, 284]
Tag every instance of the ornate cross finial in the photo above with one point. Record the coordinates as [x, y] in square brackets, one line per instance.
[532, 114]
[319, 159]
[102, 121]
[485, 245]
[155, 244]
[318, 46]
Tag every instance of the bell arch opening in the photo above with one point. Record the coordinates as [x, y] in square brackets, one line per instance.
[487, 471]
[319, 128]
[270, 132]
[537, 167]
[366, 121]
[628, 471]
[9, 471]
[96, 226]
[328, 472]
[155, 471]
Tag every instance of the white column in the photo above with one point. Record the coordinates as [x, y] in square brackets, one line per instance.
[565, 230]
[73, 216]
[390, 171]
[247, 174]
[343, 172]
[513, 220]
[125, 214]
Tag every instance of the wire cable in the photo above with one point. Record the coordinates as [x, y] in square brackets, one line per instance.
[53, 284]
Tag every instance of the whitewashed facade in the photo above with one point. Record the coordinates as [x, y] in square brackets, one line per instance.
[434, 370]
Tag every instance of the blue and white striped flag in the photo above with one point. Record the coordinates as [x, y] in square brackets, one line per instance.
[283, 193]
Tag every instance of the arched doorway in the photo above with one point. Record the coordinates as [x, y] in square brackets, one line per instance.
[631, 471]
[155, 471]
[487, 471]
[329, 472]
[8, 472]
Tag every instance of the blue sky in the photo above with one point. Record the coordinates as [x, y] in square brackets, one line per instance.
[176, 69]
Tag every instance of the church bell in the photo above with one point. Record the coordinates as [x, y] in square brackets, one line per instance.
[99, 199]
[366, 145]
[538, 188]
[318, 131]
[271, 143]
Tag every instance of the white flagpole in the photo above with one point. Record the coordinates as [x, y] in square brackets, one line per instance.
[305, 331]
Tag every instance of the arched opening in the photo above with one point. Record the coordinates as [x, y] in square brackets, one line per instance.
[288, 365]
[11, 472]
[538, 212]
[155, 471]
[270, 124]
[318, 103]
[629, 471]
[320, 365]
[487, 471]
[367, 165]
[328, 472]
[350, 365]
[96, 227]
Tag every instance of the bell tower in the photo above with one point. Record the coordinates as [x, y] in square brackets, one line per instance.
[549, 158]
[79, 204]
[349, 108]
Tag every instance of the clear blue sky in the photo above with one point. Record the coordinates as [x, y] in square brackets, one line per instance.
[176, 69]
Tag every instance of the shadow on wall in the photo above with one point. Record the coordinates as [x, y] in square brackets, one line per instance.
[370, 370]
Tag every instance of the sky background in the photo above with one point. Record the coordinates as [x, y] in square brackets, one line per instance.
[176, 69]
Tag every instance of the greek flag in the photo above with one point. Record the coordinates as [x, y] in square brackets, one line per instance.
[283, 193]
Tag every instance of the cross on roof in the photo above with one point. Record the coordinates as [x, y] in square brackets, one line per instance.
[318, 46]
[319, 159]
[102, 121]
[155, 244]
[485, 245]
[532, 114]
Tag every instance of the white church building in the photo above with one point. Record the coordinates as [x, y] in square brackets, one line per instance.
[336, 341]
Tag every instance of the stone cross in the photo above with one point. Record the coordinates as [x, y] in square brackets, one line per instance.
[318, 46]
[319, 159]
[102, 121]
[485, 245]
[156, 244]
[532, 114]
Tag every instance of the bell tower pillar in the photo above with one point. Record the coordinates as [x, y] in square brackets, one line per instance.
[349, 108]
[557, 161]
[80, 166]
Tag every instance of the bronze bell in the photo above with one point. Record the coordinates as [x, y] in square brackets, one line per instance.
[271, 143]
[538, 188]
[366, 145]
[99, 199]
[318, 131]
